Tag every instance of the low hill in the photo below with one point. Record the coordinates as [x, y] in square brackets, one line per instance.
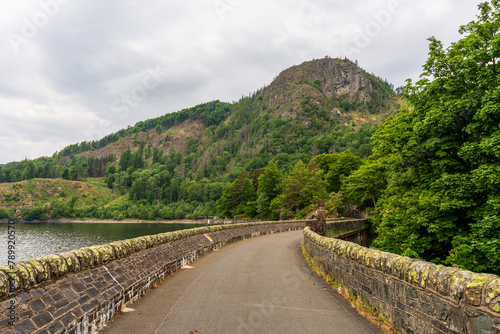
[56, 196]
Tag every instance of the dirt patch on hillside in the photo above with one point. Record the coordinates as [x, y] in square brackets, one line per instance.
[177, 135]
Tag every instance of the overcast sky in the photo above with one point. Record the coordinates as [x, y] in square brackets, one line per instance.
[75, 71]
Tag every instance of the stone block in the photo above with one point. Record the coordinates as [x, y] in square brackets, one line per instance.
[42, 319]
[4, 284]
[458, 319]
[374, 258]
[478, 322]
[107, 252]
[58, 266]
[442, 311]
[15, 277]
[400, 292]
[25, 327]
[361, 254]
[139, 244]
[128, 247]
[440, 279]
[418, 273]
[29, 273]
[474, 288]
[149, 241]
[458, 284]
[492, 298]
[118, 250]
[85, 258]
[353, 251]
[398, 266]
[42, 269]
[72, 261]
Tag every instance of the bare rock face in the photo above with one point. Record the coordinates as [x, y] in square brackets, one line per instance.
[339, 78]
[343, 78]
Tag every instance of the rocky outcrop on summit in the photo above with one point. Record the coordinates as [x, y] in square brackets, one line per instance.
[320, 79]
[343, 78]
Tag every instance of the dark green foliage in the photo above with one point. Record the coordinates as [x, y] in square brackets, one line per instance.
[317, 84]
[270, 186]
[303, 187]
[237, 198]
[345, 105]
[4, 214]
[35, 214]
[443, 196]
[237, 164]
[336, 167]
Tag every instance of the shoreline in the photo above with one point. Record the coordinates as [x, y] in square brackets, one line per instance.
[108, 221]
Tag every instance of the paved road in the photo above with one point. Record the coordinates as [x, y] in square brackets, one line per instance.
[260, 285]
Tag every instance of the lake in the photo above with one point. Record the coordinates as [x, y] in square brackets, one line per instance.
[39, 239]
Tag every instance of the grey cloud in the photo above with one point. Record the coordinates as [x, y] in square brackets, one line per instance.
[92, 52]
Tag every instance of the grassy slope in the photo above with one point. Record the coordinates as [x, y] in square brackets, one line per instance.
[44, 192]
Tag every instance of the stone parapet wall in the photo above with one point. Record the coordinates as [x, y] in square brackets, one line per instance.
[80, 290]
[359, 237]
[418, 297]
[346, 224]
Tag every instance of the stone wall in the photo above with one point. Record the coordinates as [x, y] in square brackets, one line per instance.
[346, 224]
[358, 230]
[80, 290]
[419, 297]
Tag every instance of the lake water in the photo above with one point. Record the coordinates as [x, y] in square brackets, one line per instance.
[40, 239]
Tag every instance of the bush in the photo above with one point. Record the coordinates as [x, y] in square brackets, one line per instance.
[35, 214]
[4, 214]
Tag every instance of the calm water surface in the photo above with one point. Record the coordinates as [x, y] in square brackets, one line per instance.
[40, 239]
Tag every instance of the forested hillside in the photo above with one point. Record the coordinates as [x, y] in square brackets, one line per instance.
[426, 169]
[435, 172]
[210, 159]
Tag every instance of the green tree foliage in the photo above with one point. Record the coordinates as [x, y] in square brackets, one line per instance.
[443, 196]
[303, 187]
[204, 171]
[336, 167]
[157, 155]
[365, 185]
[238, 197]
[125, 160]
[110, 174]
[270, 186]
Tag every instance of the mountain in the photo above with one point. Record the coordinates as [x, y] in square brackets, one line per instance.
[329, 80]
[334, 89]
[179, 164]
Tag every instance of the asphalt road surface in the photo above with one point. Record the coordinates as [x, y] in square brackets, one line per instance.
[260, 285]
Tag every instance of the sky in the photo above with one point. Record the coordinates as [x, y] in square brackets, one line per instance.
[74, 71]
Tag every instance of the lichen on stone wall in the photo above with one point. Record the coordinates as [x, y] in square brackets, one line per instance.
[58, 266]
[474, 288]
[4, 284]
[42, 269]
[27, 274]
[492, 298]
[72, 261]
[457, 285]
[85, 257]
[418, 273]
[419, 296]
